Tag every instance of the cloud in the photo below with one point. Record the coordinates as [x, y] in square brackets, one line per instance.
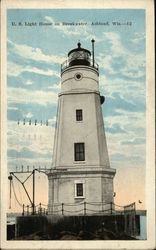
[135, 141]
[55, 86]
[34, 54]
[13, 108]
[29, 144]
[70, 30]
[29, 82]
[29, 115]
[84, 31]
[14, 164]
[115, 129]
[20, 95]
[113, 38]
[129, 158]
[67, 30]
[126, 119]
[117, 59]
[139, 37]
[26, 153]
[126, 87]
[114, 105]
[52, 120]
[132, 142]
[14, 69]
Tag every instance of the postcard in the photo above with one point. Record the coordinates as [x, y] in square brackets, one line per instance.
[77, 125]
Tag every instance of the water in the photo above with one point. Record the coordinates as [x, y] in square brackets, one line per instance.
[142, 235]
[11, 220]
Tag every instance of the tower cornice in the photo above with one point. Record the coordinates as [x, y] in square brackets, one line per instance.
[71, 68]
[79, 91]
[109, 172]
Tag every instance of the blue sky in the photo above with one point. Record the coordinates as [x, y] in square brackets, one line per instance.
[34, 55]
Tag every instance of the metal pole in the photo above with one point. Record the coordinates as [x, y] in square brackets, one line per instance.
[33, 202]
[10, 179]
[27, 209]
[23, 210]
[10, 194]
[93, 50]
[111, 206]
[40, 209]
[84, 208]
[23, 185]
[27, 193]
[62, 209]
[134, 207]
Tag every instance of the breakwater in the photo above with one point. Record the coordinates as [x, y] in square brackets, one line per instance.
[50, 227]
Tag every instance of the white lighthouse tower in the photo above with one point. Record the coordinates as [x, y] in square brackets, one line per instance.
[81, 172]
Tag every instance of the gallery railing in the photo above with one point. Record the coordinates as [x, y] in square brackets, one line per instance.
[83, 208]
[65, 65]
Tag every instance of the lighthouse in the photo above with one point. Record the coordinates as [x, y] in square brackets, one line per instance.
[81, 172]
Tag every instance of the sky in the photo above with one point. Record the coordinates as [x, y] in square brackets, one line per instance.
[38, 41]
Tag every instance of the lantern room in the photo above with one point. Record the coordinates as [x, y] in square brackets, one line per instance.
[79, 56]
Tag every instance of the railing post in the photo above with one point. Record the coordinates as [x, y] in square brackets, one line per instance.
[34, 209]
[23, 211]
[134, 221]
[84, 208]
[40, 208]
[111, 207]
[134, 207]
[62, 209]
[27, 209]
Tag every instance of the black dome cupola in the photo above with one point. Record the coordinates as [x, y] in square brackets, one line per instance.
[79, 56]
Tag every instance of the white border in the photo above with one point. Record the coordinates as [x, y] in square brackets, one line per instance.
[148, 5]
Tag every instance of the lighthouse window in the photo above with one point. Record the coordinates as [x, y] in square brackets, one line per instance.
[79, 115]
[79, 189]
[78, 76]
[79, 149]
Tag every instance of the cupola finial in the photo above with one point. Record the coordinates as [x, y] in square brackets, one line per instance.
[79, 45]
